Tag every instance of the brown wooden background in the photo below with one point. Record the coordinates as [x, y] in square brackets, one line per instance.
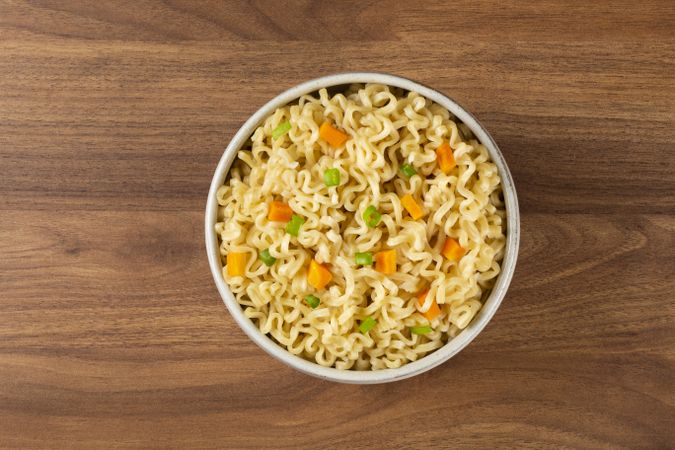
[113, 116]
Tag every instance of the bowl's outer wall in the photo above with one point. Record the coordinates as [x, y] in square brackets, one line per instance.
[454, 345]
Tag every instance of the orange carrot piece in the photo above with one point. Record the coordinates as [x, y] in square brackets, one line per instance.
[279, 212]
[385, 261]
[236, 264]
[332, 135]
[318, 276]
[452, 250]
[412, 206]
[445, 158]
[433, 310]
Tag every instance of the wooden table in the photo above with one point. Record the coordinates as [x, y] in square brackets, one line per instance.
[113, 116]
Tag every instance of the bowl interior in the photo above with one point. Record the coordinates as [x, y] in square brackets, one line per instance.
[335, 83]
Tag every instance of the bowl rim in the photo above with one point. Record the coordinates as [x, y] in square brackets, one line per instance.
[453, 346]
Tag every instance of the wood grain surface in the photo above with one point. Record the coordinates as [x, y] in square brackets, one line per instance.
[113, 116]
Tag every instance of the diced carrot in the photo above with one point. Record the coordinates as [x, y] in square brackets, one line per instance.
[318, 276]
[411, 206]
[385, 261]
[332, 135]
[236, 264]
[433, 310]
[445, 158]
[279, 212]
[452, 250]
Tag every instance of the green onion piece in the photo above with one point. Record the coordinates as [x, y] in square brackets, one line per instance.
[371, 216]
[331, 177]
[293, 226]
[313, 301]
[367, 324]
[423, 329]
[408, 170]
[280, 130]
[266, 258]
[364, 259]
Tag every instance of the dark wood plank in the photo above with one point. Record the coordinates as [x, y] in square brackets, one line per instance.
[107, 347]
[113, 116]
[601, 113]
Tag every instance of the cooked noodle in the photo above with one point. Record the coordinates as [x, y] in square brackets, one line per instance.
[386, 128]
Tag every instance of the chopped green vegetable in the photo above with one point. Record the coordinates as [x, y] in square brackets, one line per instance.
[367, 324]
[293, 226]
[280, 130]
[364, 259]
[266, 258]
[422, 329]
[331, 177]
[408, 170]
[313, 301]
[371, 216]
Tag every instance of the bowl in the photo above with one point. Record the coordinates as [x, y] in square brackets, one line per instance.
[412, 368]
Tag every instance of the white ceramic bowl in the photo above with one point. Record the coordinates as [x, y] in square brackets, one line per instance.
[454, 345]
